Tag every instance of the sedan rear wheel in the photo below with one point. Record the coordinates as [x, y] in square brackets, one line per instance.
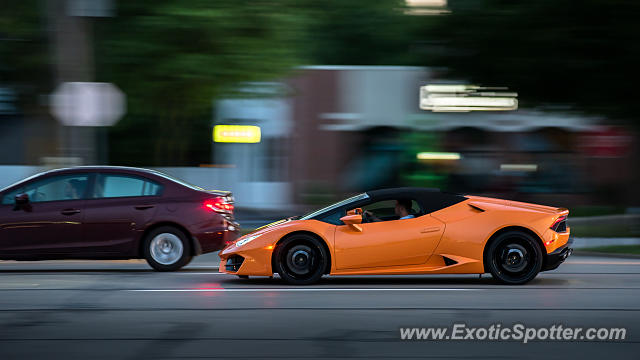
[514, 258]
[167, 249]
[300, 259]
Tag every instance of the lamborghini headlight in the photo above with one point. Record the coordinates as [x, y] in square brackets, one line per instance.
[246, 240]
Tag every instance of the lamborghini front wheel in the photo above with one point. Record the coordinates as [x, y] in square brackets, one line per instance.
[300, 259]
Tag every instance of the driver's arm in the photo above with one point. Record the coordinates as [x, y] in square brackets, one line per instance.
[371, 217]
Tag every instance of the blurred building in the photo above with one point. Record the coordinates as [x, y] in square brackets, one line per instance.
[331, 130]
[258, 171]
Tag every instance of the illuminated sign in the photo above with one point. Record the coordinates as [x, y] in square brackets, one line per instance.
[519, 167]
[438, 156]
[465, 98]
[236, 134]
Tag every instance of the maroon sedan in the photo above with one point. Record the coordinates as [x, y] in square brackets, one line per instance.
[113, 213]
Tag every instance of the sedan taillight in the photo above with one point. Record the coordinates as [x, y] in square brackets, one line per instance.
[219, 204]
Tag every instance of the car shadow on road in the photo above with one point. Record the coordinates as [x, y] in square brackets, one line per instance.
[75, 271]
[395, 280]
[96, 270]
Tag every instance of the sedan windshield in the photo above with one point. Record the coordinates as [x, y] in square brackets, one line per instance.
[335, 206]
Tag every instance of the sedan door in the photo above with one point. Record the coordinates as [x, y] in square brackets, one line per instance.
[117, 212]
[50, 225]
[387, 243]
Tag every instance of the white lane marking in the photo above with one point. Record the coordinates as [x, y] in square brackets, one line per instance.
[216, 267]
[298, 290]
[196, 273]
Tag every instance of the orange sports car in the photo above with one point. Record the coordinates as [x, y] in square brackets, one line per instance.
[407, 231]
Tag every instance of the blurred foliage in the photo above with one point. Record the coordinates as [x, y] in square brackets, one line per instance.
[615, 249]
[627, 225]
[561, 52]
[177, 55]
[173, 57]
[24, 50]
[584, 211]
[421, 173]
[358, 32]
[603, 230]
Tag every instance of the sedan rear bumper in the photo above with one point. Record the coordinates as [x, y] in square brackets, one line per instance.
[210, 241]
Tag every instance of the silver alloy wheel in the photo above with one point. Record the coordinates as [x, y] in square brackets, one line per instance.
[166, 248]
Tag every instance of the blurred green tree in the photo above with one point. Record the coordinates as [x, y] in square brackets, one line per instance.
[358, 32]
[24, 52]
[173, 57]
[553, 52]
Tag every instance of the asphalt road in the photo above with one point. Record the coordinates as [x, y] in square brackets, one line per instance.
[123, 310]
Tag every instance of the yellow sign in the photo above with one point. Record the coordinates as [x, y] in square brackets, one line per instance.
[236, 134]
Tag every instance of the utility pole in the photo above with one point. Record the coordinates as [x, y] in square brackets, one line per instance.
[71, 36]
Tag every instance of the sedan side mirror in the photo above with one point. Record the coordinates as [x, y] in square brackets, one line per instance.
[353, 221]
[22, 202]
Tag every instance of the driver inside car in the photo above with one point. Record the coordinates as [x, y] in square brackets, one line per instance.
[402, 209]
[72, 189]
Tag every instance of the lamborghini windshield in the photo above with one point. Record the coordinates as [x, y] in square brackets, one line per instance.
[335, 206]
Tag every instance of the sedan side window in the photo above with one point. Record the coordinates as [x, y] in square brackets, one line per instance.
[113, 186]
[55, 188]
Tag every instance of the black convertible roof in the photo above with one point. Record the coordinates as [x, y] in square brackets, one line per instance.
[412, 191]
[429, 198]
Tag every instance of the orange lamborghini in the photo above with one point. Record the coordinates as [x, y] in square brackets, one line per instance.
[407, 231]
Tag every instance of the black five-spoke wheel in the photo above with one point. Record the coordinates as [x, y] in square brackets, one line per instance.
[514, 258]
[300, 259]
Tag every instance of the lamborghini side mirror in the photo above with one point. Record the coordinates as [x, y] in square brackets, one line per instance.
[353, 221]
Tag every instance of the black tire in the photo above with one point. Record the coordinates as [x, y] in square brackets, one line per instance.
[176, 239]
[243, 276]
[300, 259]
[514, 258]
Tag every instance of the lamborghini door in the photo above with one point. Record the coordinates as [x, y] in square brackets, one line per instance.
[387, 243]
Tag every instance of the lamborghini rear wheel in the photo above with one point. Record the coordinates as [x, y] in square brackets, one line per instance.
[300, 259]
[514, 258]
